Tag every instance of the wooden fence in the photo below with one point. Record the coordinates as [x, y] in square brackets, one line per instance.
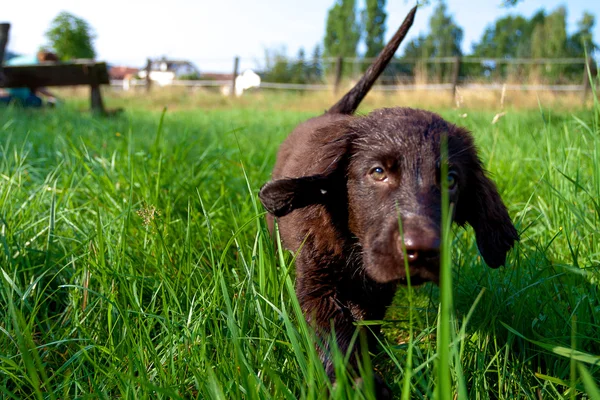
[439, 74]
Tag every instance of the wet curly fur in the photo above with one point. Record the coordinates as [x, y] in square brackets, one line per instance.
[340, 186]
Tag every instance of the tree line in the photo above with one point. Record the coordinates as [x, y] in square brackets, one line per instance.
[69, 37]
[544, 35]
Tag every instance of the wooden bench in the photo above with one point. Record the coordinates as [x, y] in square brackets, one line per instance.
[75, 73]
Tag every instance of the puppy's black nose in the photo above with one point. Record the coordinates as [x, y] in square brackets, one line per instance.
[421, 247]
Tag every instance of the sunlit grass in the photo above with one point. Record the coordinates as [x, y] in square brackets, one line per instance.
[135, 262]
[465, 100]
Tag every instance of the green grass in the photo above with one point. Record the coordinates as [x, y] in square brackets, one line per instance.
[135, 263]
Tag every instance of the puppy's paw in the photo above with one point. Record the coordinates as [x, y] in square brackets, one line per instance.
[382, 390]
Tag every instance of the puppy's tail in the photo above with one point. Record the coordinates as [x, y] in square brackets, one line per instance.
[349, 103]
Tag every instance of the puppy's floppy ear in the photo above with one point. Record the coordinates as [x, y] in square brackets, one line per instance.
[325, 179]
[484, 210]
[282, 196]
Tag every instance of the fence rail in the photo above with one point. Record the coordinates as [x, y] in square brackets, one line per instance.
[466, 59]
[116, 83]
[433, 74]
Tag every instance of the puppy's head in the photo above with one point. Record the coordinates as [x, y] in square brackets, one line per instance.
[388, 166]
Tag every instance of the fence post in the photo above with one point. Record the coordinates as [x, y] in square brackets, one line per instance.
[339, 63]
[95, 94]
[356, 68]
[4, 28]
[455, 75]
[586, 78]
[148, 69]
[236, 66]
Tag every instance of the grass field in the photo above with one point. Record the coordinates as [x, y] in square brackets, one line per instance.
[135, 263]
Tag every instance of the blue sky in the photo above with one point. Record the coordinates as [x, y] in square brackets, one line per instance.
[211, 33]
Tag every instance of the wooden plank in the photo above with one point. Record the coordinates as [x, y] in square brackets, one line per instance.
[95, 95]
[53, 74]
[148, 70]
[236, 67]
[97, 104]
[4, 29]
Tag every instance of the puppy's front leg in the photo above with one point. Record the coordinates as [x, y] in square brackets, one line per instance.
[325, 313]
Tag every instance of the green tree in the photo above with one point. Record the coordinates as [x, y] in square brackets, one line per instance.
[445, 37]
[315, 73]
[299, 68]
[509, 37]
[582, 40]
[443, 40]
[342, 31]
[549, 40]
[524, 48]
[504, 39]
[415, 48]
[374, 24]
[277, 68]
[414, 57]
[71, 37]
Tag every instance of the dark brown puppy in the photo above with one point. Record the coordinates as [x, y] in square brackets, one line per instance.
[339, 187]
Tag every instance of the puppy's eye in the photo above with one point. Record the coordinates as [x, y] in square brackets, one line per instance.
[452, 180]
[378, 174]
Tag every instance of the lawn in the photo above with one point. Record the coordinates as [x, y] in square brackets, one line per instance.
[136, 263]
